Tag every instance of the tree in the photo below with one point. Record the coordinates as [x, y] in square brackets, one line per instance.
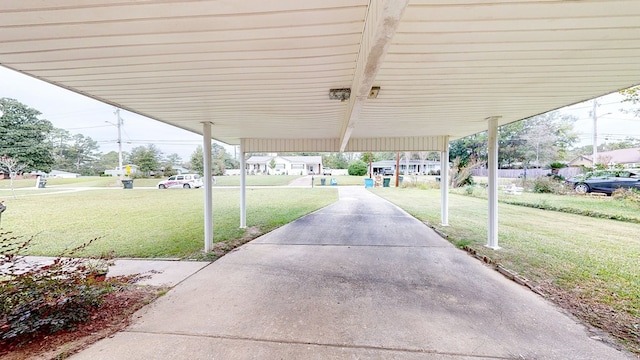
[537, 140]
[109, 161]
[147, 158]
[357, 168]
[511, 149]
[12, 167]
[549, 137]
[367, 157]
[173, 160]
[84, 151]
[628, 143]
[335, 161]
[632, 95]
[197, 161]
[468, 148]
[24, 136]
[219, 163]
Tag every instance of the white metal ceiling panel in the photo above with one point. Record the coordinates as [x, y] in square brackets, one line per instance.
[262, 70]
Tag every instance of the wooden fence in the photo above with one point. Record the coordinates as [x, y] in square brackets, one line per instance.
[531, 173]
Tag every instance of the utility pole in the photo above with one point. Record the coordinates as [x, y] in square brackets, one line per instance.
[595, 117]
[595, 133]
[119, 119]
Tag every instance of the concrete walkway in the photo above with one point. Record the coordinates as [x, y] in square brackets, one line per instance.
[359, 279]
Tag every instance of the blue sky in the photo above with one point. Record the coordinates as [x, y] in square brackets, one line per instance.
[80, 114]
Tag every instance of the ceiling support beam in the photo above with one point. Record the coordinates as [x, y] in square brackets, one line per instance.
[383, 18]
[208, 190]
[444, 184]
[492, 241]
[243, 189]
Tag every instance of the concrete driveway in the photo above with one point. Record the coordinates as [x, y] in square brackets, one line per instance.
[359, 279]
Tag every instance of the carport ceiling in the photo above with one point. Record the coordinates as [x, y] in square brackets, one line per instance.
[263, 69]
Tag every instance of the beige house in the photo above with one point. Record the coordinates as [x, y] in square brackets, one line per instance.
[630, 158]
[289, 165]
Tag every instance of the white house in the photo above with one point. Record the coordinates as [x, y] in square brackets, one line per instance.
[290, 165]
[415, 167]
[122, 171]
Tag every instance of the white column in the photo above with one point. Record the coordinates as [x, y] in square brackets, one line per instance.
[243, 189]
[444, 183]
[208, 187]
[492, 240]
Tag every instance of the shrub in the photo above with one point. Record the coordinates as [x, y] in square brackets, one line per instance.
[548, 185]
[627, 194]
[37, 298]
[358, 168]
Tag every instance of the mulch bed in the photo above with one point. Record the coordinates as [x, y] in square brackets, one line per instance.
[113, 315]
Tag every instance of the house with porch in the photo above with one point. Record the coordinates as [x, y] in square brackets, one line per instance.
[415, 167]
[289, 165]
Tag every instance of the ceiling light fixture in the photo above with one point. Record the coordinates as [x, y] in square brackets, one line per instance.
[373, 93]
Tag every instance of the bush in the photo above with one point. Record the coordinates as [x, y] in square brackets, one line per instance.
[627, 194]
[548, 185]
[358, 168]
[37, 298]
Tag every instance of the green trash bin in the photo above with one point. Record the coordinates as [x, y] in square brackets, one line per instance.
[323, 181]
[42, 184]
[127, 184]
[385, 182]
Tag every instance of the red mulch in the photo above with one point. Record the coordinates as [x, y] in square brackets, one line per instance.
[113, 315]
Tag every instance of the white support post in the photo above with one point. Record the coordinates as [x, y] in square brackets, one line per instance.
[208, 187]
[444, 184]
[243, 190]
[492, 240]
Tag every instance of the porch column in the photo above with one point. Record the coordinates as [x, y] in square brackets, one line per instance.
[492, 241]
[243, 190]
[208, 187]
[444, 183]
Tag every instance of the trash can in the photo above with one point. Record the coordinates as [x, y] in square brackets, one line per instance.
[334, 182]
[399, 179]
[368, 183]
[42, 184]
[127, 184]
[385, 182]
[323, 181]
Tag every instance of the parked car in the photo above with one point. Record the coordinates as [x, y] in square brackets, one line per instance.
[185, 181]
[326, 171]
[605, 181]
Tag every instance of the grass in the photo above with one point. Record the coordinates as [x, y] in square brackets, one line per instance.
[150, 223]
[605, 207]
[111, 182]
[589, 265]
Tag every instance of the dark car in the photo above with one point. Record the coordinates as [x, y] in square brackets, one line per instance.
[605, 181]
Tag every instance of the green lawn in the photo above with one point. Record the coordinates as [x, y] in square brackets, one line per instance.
[595, 206]
[592, 263]
[150, 223]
